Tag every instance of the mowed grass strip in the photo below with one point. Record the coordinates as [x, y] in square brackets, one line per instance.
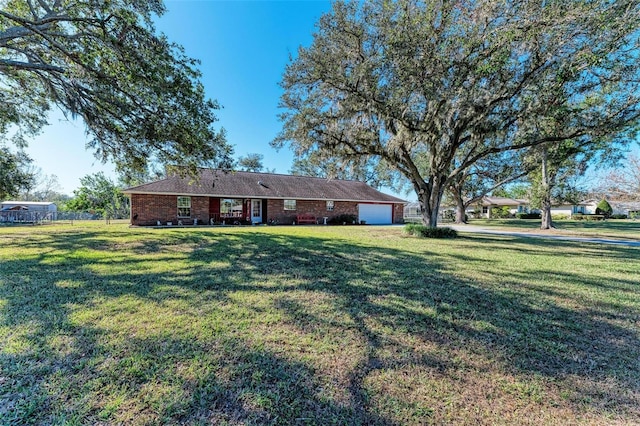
[314, 325]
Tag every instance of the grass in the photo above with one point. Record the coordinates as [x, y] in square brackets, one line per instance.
[612, 228]
[314, 325]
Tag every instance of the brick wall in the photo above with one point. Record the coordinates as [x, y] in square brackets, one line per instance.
[200, 209]
[317, 208]
[147, 209]
[398, 213]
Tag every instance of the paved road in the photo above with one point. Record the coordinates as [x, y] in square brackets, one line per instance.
[480, 230]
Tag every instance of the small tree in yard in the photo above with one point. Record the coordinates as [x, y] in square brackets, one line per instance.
[98, 193]
[554, 180]
[432, 88]
[604, 208]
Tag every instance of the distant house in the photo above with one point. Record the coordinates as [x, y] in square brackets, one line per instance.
[27, 211]
[628, 208]
[569, 209]
[488, 203]
[246, 197]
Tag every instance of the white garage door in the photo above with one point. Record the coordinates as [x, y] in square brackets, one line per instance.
[375, 214]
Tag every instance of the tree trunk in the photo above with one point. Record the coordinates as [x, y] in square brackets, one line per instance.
[461, 217]
[547, 221]
[430, 196]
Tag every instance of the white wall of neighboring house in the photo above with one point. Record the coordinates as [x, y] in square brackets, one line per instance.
[624, 207]
[486, 210]
[590, 208]
[565, 209]
[618, 207]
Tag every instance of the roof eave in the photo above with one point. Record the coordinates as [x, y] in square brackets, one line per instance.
[127, 192]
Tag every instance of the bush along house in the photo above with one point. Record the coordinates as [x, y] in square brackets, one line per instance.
[218, 197]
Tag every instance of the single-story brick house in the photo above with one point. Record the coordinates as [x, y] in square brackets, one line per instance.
[216, 196]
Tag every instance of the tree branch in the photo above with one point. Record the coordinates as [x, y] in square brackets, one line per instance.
[9, 64]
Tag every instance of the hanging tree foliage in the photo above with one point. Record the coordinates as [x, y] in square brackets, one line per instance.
[433, 87]
[14, 172]
[138, 94]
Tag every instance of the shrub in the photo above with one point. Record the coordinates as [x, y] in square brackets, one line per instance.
[501, 212]
[347, 219]
[528, 215]
[560, 216]
[411, 228]
[618, 216]
[448, 215]
[604, 208]
[587, 217]
[429, 231]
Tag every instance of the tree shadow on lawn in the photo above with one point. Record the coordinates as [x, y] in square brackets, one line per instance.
[265, 328]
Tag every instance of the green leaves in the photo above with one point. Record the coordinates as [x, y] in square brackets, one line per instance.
[14, 172]
[99, 194]
[433, 88]
[138, 93]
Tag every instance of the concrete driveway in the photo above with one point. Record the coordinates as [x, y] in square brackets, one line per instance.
[481, 230]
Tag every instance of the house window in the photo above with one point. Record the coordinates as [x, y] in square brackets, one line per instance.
[289, 204]
[184, 206]
[330, 205]
[231, 207]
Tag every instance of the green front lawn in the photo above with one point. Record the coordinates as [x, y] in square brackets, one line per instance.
[314, 325]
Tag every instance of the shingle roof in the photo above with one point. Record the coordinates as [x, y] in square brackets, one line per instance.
[502, 201]
[27, 203]
[216, 183]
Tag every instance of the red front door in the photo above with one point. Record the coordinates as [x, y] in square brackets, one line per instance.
[214, 210]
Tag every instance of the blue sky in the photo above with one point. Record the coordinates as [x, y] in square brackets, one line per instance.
[243, 47]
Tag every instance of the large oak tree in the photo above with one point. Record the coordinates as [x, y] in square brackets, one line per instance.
[433, 87]
[139, 95]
